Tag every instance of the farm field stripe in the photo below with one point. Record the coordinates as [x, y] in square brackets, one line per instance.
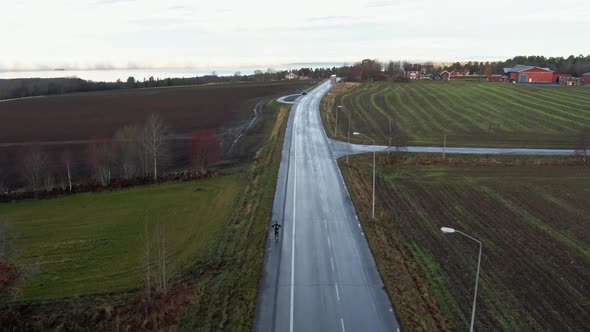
[412, 104]
[488, 114]
[444, 102]
[578, 104]
[443, 115]
[524, 117]
[539, 111]
[532, 103]
[407, 119]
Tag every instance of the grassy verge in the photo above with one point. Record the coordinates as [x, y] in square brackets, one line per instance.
[230, 275]
[531, 213]
[472, 114]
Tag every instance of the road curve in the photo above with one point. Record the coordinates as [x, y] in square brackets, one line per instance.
[321, 275]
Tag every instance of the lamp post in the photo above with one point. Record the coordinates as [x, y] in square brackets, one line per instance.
[349, 118]
[357, 134]
[336, 126]
[448, 230]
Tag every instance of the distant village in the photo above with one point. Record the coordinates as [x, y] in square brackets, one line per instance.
[516, 74]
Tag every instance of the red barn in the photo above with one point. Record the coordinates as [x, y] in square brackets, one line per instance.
[556, 76]
[497, 78]
[586, 78]
[458, 72]
[529, 74]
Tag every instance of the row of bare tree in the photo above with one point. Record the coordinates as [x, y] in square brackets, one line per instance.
[134, 151]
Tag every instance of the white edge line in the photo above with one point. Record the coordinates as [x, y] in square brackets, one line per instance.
[337, 293]
[294, 221]
[342, 324]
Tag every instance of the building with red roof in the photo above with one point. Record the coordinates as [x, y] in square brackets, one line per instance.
[529, 74]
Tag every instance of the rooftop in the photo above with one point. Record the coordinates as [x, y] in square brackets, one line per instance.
[521, 68]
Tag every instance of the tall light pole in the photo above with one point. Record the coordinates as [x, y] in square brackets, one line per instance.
[349, 118]
[357, 133]
[449, 230]
[336, 126]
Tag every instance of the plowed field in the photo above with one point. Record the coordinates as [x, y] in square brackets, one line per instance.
[532, 216]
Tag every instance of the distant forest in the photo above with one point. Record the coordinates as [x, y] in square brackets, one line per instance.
[365, 70]
[28, 87]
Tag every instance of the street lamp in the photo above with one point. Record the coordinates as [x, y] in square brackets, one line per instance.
[356, 133]
[448, 230]
[348, 137]
[336, 126]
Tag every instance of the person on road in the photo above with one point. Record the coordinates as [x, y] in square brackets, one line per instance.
[276, 227]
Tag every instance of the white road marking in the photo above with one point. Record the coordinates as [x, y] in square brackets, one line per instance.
[332, 260]
[337, 293]
[325, 223]
[329, 243]
[359, 225]
[342, 324]
[363, 234]
[294, 224]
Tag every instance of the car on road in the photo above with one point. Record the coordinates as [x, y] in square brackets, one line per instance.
[303, 92]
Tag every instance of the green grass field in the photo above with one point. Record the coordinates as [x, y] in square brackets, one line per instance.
[94, 243]
[533, 220]
[470, 113]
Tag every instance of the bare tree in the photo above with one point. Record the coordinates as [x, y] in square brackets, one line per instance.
[161, 250]
[583, 143]
[128, 150]
[203, 150]
[34, 167]
[3, 184]
[66, 160]
[100, 160]
[148, 261]
[154, 142]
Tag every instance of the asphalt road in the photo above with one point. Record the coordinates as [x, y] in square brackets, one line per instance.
[342, 149]
[320, 275]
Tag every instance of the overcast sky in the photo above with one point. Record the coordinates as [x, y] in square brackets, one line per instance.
[202, 34]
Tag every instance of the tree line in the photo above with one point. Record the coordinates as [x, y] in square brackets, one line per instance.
[574, 65]
[134, 152]
[374, 70]
[29, 87]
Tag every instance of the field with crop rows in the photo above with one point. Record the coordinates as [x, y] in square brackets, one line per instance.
[533, 221]
[469, 113]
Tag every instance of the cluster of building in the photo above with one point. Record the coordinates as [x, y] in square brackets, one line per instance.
[516, 74]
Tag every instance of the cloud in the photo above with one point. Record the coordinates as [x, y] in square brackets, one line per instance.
[111, 2]
[379, 4]
[327, 18]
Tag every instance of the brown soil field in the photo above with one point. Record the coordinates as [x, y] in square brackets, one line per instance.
[67, 122]
[80, 116]
[531, 214]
